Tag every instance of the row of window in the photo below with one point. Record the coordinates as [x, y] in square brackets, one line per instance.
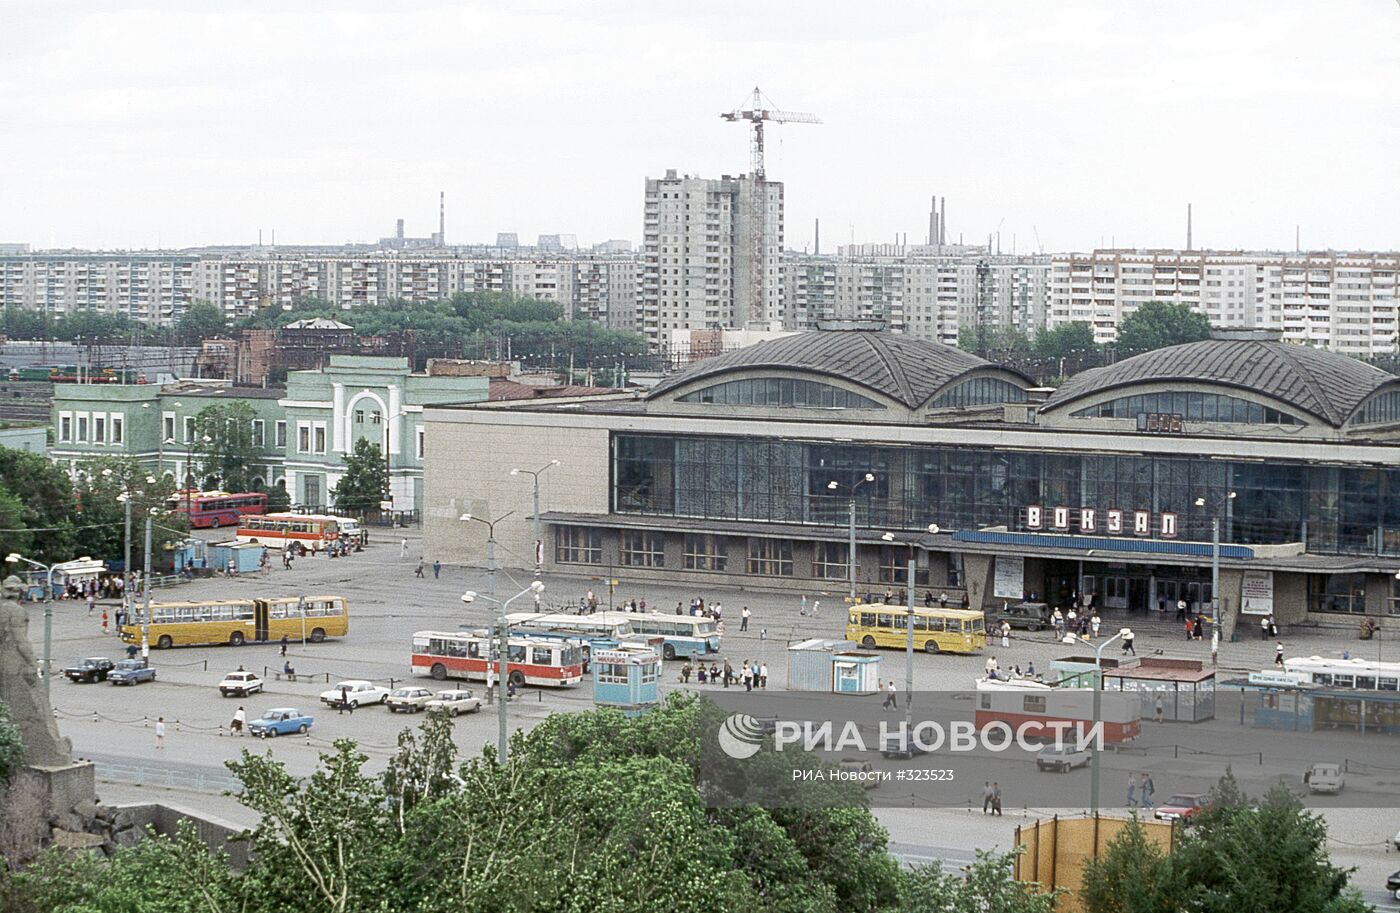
[1193, 407]
[1382, 409]
[91, 428]
[980, 391]
[781, 392]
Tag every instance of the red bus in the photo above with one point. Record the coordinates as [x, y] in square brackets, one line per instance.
[1041, 708]
[546, 661]
[299, 533]
[217, 508]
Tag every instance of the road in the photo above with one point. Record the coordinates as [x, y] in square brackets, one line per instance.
[113, 726]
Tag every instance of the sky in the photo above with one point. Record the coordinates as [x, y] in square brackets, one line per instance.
[1068, 124]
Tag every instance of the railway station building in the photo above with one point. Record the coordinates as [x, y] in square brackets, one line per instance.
[747, 468]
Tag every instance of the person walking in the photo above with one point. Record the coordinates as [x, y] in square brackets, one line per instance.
[996, 799]
[160, 732]
[403, 548]
[891, 697]
[1145, 791]
[239, 717]
[283, 644]
[1278, 653]
[744, 614]
[92, 603]
[1128, 645]
[418, 571]
[685, 674]
[1264, 628]
[1094, 623]
[1157, 710]
[746, 676]
[728, 673]
[344, 701]
[437, 568]
[986, 796]
[1214, 646]
[763, 675]
[802, 605]
[1006, 633]
[1132, 791]
[816, 607]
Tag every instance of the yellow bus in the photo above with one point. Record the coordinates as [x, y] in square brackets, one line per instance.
[239, 621]
[935, 630]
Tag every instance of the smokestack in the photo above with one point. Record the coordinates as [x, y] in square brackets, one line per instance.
[442, 218]
[904, 239]
[1297, 239]
[398, 230]
[933, 221]
[942, 221]
[1188, 226]
[817, 238]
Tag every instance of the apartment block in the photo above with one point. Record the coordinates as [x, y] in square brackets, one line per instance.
[147, 288]
[711, 255]
[1340, 301]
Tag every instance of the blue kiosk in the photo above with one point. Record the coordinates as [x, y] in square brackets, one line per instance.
[626, 677]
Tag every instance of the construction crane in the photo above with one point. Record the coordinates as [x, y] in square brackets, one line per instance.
[756, 308]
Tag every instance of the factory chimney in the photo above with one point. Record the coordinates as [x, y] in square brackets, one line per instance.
[817, 238]
[442, 218]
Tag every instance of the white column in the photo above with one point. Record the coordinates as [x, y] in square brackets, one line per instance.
[339, 421]
[394, 418]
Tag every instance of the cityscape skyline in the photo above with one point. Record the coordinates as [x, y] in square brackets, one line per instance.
[1208, 106]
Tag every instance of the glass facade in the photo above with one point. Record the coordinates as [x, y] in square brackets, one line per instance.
[1382, 409]
[1334, 509]
[1194, 407]
[781, 392]
[980, 391]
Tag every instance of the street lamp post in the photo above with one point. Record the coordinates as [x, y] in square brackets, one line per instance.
[1215, 559]
[15, 558]
[536, 587]
[491, 597]
[539, 535]
[1098, 711]
[834, 485]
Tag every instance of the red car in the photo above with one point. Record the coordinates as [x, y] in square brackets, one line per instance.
[1182, 807]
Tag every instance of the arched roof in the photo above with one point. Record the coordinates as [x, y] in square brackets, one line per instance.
[902, 368]
[1323, 384]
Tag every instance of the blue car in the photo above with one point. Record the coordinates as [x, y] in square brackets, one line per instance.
[280, 721]
[131, 672]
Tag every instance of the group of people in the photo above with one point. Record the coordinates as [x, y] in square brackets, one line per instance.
[942, 600]
[993, 671]
[1140, 790]
[1085, 623]
[752, 674]
[991, 798]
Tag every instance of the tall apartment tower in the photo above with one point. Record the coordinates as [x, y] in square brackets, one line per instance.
[711, 256]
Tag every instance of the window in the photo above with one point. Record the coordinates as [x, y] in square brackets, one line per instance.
[359, 416]
[303, 437]
[540, 656]
[420, 450]
[1344, 593]
[1382, 409]
[642, 548]
[99, 429]
[578, 545]
[894, 566]
[770, 557]
[82, 427]
[782, 392]
[167, 428]
[980, 391]
[706, 553]
[1193, 407]
[65, 426]
[280, 432]
[376, 418]
[319, 436]
[830, 561]
[189, 428]
[118, 429]
[259, 432]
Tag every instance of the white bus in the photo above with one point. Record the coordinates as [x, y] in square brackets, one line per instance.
[683, 636]
[1356, 674]
[298, 532]
[550, 662]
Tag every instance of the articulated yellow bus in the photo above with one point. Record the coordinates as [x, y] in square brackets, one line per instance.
[239, 621]
[935, 630]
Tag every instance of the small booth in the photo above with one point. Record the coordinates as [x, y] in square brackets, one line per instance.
[833, 666]
[1186, 687]
[1286, 701]
[241, 557]
[1078, 671]
[626, 677]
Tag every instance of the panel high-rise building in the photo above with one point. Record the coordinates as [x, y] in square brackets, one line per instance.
[712, 254]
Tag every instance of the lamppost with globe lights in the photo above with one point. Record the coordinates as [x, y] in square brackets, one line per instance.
[1215, 559]
[539, 535]
[834, 485]
[536, 587]
[15, 558]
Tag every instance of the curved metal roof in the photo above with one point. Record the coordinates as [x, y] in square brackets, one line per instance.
[1323, 384]
[900, 367]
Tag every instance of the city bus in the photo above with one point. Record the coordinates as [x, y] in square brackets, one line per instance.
[1355, 674]
[685, 636]
[239, 621]
[936, 630]
[300, 533]
[1040, 709]
[595, 632]
[213, 509]
[546, 661]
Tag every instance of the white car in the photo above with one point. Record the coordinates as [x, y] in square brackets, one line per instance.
[356, 693]
[240, 684]
[1062, 758]
[1325, 778]
[454, 702]
[409, 700]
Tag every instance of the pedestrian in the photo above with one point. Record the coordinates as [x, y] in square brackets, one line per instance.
[701, 675]
[996, 799]
[344, 700]
[1132, 791]
[1006, 633]
[714, 673]
[437, 568]
[104, 621]
[744, 614]
[1148, 788]
[418, 571]
[891, 697]
[728, 673]
[986, 796]
[685, 674]
[1189, 629]
[1094, 624]
[1273, 627]
[762, 633]
[763, 675]
[1128, 646]
[990, 666]
[1072, 620]
[816, 606]
[1264, 628]
[284, 645]
[403, 548]
[92, 603]
[965, 602]
[1058, 620]
[1157, 710]
[802, 605]
[928, 599]
[160, 732]
[1214, 645]
[236, 727]
[1278, 653]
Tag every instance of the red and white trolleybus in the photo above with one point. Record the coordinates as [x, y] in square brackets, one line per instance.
[546, 661]
[1044, 709]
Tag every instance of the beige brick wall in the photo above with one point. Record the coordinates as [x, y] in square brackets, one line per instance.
[466, 469]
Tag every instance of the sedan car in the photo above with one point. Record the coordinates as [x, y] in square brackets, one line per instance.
[1392, 884]
[1182, 807]
[356, 693]
[92, 669]
[409, 700]
[131, 672]
[1062, 758]
[454, 702]
[280, 721]
[1325, 778]
[240, 684]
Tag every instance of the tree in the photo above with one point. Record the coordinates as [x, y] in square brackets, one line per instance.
[1158, 324]
[223, 443]
[985, 341]
[202, 321]
[1134, 875]
[100, 512]
[988, 885]
[1065, 341]
[11, 747]
[365, 481]
[46, 496]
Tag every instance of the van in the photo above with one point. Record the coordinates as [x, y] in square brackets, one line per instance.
[1030, 616]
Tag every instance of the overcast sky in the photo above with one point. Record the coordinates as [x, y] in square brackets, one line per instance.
[133, 124]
